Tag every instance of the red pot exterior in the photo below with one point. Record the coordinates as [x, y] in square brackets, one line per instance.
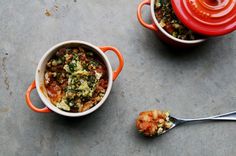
[174, 43]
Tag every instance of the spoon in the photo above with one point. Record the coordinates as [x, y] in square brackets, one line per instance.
[147, 124]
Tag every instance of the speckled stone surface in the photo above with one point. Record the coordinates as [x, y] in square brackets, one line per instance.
[193, 83]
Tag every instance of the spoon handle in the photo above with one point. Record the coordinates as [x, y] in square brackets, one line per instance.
[231, 116]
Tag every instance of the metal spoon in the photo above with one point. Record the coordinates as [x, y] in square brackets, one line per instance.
[156, 122]
[231, 116]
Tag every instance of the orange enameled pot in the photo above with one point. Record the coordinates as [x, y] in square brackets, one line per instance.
[39, 77]
[155, 26]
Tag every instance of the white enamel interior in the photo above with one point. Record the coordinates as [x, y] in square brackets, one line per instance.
[41, 70]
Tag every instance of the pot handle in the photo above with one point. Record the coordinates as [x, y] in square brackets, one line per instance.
[30, 104]
[140, 19]
[120, 57]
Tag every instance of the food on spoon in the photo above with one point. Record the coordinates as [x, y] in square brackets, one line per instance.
[153, 122]
[170, 23]
[75, 79]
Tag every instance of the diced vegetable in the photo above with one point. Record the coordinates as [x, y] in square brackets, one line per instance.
[154, 122]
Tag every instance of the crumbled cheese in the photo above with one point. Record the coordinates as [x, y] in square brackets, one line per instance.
[78, 66]
[162, 23]
[81, 72]
[86, 91]
[47, 79]
[98, 75]
[66, 67]
[63, 105]
[54, 63]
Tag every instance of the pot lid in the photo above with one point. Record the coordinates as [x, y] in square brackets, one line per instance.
[207, 17]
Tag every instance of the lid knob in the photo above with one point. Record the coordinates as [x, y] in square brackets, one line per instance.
[207, 17]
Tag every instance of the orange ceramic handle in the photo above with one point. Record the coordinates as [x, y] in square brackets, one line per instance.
[120, 57]
[140, 19]
[30, 104]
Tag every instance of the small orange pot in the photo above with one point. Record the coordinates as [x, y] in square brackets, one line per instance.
[155, 26]
[39, 77]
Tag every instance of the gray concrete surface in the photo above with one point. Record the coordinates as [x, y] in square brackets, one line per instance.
[194, 83]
